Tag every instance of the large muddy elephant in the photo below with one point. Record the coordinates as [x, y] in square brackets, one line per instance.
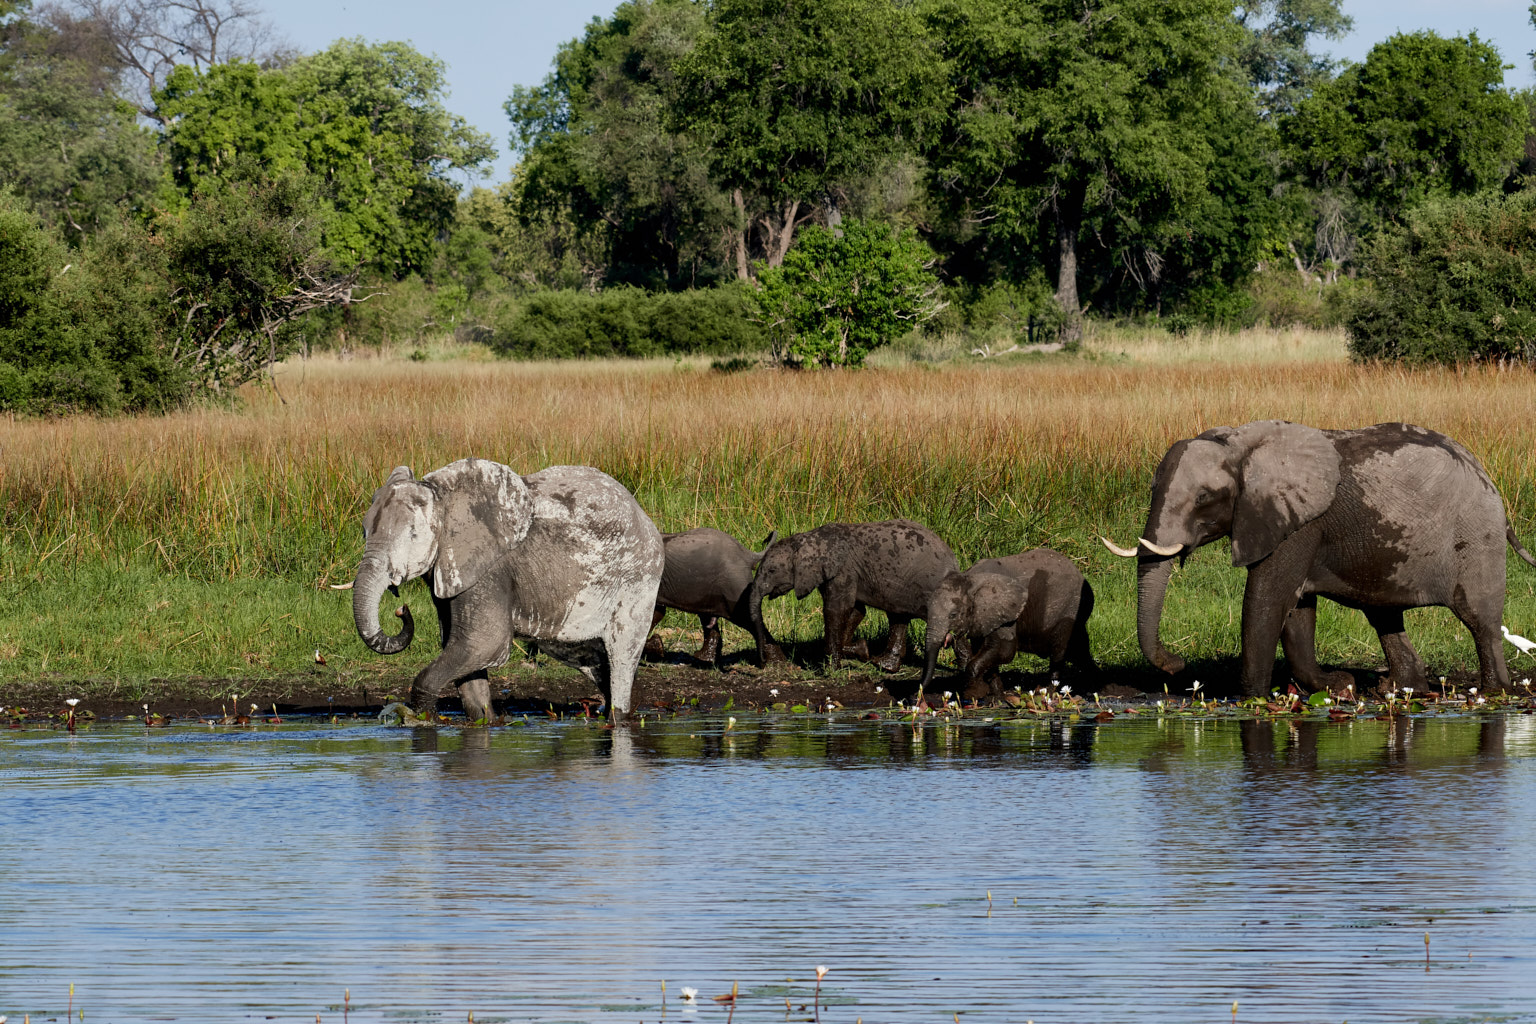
[890, 565]
[709, 573]
[1382, 519]
[564, 556]
[1037, 602]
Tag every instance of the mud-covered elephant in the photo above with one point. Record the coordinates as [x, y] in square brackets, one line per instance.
[890, 565]
[1037, 602]
[1382, 519]
[708, 573]
[564, 556]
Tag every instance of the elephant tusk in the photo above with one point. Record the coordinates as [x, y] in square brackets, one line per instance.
[1166, 552]
[341, 586]
[1117, 549]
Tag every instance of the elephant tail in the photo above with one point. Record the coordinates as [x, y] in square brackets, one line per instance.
[1514, 542]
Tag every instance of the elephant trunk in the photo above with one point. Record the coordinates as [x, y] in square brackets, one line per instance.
[1152, 575]
[366, 591]
[765, 643]
[937, 625]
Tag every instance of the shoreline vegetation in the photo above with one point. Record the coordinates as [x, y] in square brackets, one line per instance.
[191, 555]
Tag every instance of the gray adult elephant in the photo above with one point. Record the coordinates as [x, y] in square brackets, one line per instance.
[890, 565]
[708, 573]
[1382, 519]
[1037, 602]
[564, 556]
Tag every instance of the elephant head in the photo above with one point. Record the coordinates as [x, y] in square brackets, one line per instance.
[800, 562]
[1258, 483]
[969, 604]
[454, 522]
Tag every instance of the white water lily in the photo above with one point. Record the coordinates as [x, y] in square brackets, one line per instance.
[821, 972]
[1407, 689]
[1065, 690]
[689, 993]
[1196, 687]
[72, 701]
[879, 689]
[773, 693]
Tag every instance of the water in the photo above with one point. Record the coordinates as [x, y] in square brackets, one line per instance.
[560, 872]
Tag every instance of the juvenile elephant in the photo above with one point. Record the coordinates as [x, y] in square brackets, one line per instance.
[708, 573]
[890, 565]
[1036, 602]
[1382, 518]
[564, 556]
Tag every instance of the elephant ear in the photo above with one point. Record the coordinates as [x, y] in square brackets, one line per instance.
[483, 509]
[818, 557]
[1286, 478]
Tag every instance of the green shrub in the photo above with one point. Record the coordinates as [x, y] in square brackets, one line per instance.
[1454, 284]
[837, 297]
[627, 321]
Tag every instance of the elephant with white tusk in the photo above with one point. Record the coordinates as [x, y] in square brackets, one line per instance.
[565, 556]
[1383, 519]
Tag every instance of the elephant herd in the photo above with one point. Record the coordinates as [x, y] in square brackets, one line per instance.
[1382, 519]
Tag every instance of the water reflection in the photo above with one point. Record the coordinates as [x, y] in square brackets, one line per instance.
[1150, 870]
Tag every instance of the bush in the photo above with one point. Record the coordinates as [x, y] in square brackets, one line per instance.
[835, 298]
[1452, 285]
[628, 322]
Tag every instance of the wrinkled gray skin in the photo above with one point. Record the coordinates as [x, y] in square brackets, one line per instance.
[708, 573]
[1382, 519]
[564, 556]
[1036, 602]
[890, 565]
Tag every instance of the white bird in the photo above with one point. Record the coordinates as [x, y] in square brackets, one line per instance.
[1525, 646]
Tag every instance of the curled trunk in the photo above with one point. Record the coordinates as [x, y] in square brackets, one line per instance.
[1151, 587]
[937, 625]
[765, 644]
[366, 591]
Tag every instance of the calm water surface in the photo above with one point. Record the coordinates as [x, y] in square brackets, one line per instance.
[1139, 870]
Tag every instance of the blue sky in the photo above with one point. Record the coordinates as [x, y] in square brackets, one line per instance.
[489, 48]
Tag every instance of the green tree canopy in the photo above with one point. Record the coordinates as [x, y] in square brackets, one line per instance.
[1422, 116]
[366, 119]
[1087, 114]
[800, 102]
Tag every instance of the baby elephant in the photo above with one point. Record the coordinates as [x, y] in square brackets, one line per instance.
[1037, 602]
[708, 573]
[890, 565]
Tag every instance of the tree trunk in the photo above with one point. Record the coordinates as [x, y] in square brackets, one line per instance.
[1067, 211]
[782, 235]
[742, 224]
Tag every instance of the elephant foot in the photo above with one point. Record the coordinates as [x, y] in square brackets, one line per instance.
[424, 706]
[772, 654]
[858, 649]
[889, 662]
[709, 653]
[654, 649]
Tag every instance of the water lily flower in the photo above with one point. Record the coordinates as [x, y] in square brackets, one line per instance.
[1482, 700]
[1065, 690]
[1196, 687]
[1407, 689]
[730, 723]
[773, 693]
[1472, 690]
[72, 701]
[879, 689]
[821, 972]
[689, 993]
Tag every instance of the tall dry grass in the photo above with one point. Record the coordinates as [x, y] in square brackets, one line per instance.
[996, 458]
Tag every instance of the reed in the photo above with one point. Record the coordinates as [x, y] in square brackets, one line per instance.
[216, 529]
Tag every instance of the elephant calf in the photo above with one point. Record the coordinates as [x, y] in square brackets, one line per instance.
[708, 573]
[1036, 602]
[890, 565]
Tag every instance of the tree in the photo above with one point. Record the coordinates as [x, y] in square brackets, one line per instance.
[1087, 112]
[597, 149]
[152, 37]
[1422, 116]
[835, 297]
[797, 102]
[1274, 50]
[366, 119]
[68, 143]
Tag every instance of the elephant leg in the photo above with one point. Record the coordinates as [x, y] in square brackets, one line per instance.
[621, 644]
[467, 654]
[654, 648]
[1274, 587]
[1299, 640]
[1483, 616]
[475, 694]
[840, 615]
[852, 645]
[1404, 666]
[963, 649]
[997, 649]
[709, 653]
[895, 646]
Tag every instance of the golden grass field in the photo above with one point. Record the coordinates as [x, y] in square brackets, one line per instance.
[264, 500]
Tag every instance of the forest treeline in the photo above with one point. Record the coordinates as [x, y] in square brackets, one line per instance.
[184, 199]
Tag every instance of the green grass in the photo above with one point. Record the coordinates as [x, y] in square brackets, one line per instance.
[200, 545]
